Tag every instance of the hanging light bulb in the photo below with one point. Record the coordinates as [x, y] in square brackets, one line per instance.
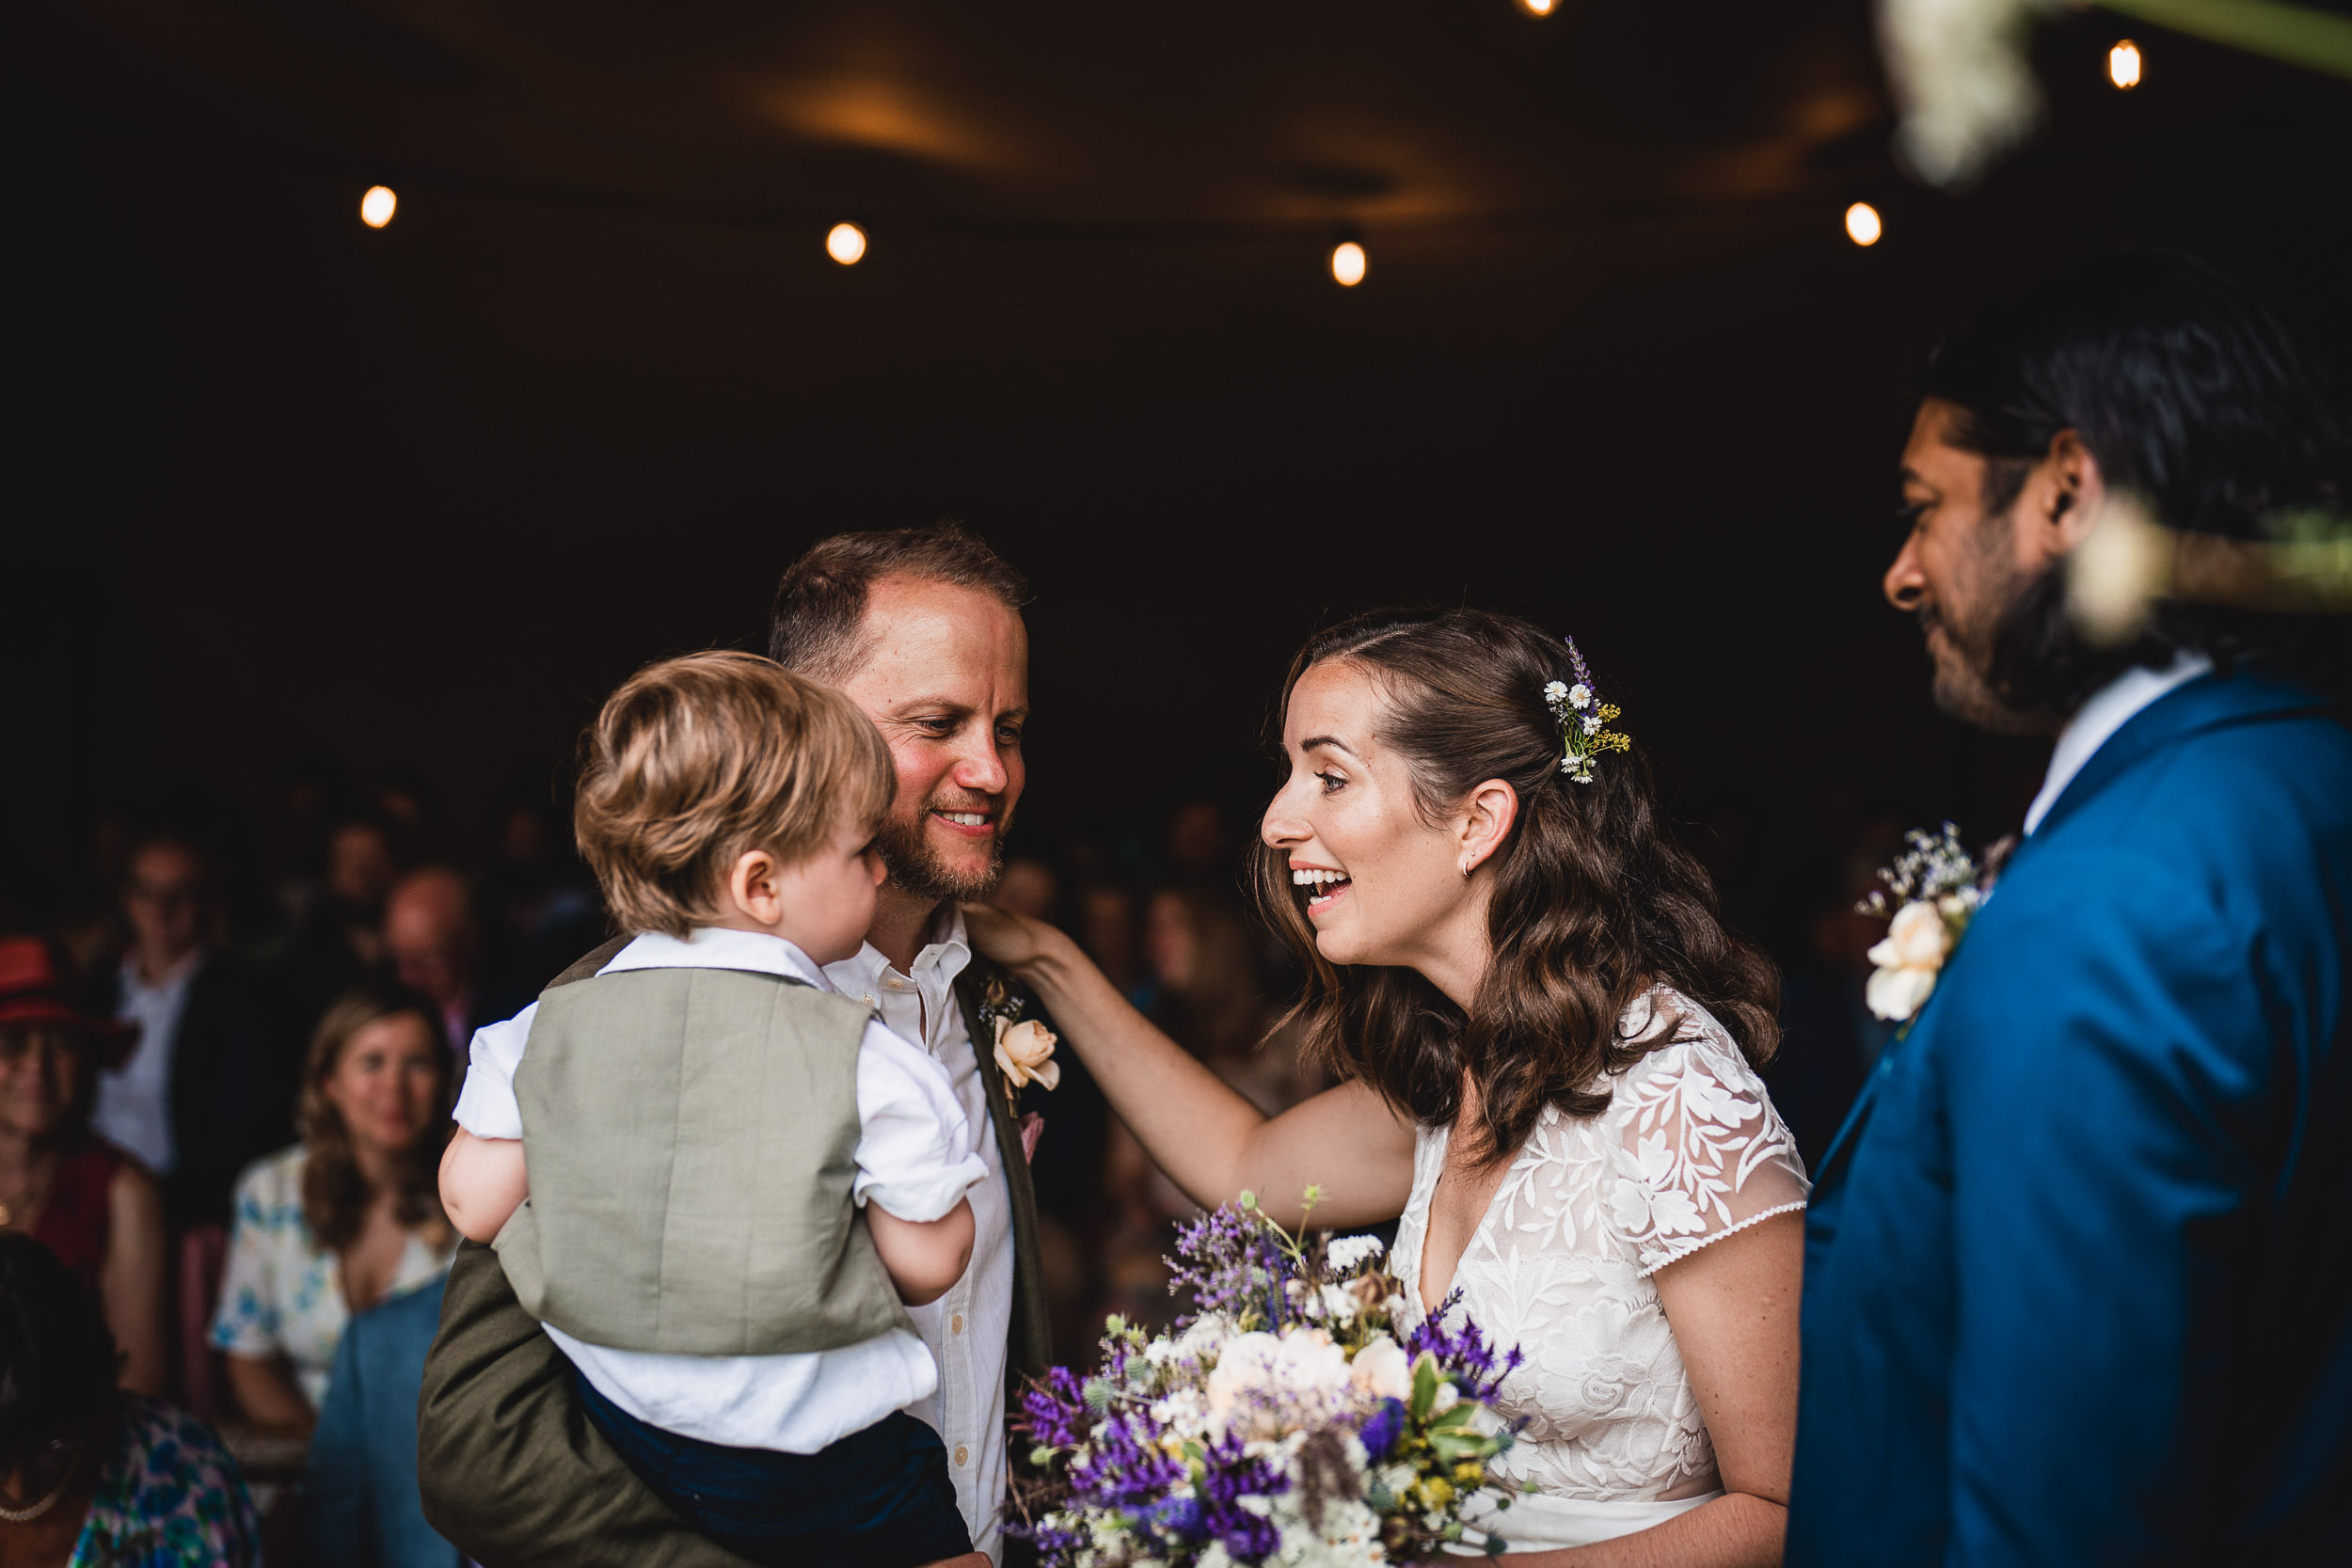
[846, 244]
[1538, 8]
[1862, 224]
[2124, 64]
[375, 207]
[1348, 264]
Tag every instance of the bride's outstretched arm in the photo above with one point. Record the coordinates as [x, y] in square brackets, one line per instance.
[1210, 1141]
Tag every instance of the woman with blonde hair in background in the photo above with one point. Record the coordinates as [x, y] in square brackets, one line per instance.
[347, 1217]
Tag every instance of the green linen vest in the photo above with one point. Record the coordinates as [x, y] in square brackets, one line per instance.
[690, 1176]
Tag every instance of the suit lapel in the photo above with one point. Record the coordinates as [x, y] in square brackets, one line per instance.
[2210, 701]
[1030, 1350]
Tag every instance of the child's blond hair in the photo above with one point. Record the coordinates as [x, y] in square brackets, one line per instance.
[696, 760]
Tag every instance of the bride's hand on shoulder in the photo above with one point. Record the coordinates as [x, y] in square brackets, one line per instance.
[1016, 941]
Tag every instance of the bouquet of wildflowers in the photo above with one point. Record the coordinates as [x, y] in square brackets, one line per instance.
[1288, 1421]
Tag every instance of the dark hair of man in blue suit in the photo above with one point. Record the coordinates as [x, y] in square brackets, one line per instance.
[2182, 393]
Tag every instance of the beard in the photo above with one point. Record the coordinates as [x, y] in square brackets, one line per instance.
[2030, 671]
[915, 865]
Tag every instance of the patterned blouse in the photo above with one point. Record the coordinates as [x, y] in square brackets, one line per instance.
[169, 1497]
[279, 1294]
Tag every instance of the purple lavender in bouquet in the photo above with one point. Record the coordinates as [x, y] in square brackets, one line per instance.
[1293, 1416]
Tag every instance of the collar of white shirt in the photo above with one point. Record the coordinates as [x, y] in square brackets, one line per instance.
[173, 980]
[2112, 706]
[936, 966]
[715, 947]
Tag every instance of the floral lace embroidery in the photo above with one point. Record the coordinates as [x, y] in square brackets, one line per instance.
[1689, 1151]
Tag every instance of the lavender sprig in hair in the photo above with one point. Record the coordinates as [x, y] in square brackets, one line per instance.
[1583, 720]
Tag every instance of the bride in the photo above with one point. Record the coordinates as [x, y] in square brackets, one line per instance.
[1547, 1048]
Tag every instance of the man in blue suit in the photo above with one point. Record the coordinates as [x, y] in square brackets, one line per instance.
[2075, 1284]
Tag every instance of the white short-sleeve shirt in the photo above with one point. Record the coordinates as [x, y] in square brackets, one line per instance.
[912, 1158]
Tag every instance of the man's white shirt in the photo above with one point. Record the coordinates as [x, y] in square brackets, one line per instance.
[967, 1329]
[913, 1157]
[133, 1109]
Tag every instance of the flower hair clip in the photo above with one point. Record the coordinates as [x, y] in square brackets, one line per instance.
[1583, 720]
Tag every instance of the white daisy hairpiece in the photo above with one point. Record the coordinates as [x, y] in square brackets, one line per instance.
[1583, 720]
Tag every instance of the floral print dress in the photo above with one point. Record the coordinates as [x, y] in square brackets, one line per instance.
[169, 1497]
[279, 1294]
[1689, 1151]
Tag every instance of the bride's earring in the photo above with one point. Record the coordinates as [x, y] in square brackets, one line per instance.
[1467, 865]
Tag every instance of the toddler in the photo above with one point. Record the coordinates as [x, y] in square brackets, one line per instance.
[713, 1177]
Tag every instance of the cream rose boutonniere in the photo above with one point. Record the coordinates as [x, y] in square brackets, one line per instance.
[1937, 889]
[1024, 1053]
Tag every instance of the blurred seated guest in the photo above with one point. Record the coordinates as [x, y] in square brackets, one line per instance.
[1028, 886]
[361, 1507]
[1201, 959]
[1202, 968]
[91, 1477]
[1111, 932]
[339, 940]
[540, 907]
[302, 800]
[347, 1217]
[433, 942]
[70, 1191]
[1202, 852]
[198, 1091]
[410, 802]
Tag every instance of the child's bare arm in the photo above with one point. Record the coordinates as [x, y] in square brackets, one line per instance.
[925, 1260]
[484, 1182]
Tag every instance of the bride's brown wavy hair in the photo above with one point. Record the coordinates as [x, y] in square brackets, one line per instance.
[1593, 903]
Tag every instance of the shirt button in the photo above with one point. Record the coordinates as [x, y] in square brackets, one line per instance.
[955, 1324]
[868, 999]
[895, 983]
[964, 1455]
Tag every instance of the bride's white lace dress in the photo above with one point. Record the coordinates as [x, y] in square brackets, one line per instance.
[1689, 1151]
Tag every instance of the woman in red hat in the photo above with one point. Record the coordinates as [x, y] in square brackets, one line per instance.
[85, 1200]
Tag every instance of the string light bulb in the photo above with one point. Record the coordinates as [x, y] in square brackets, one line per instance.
[1348, 264]
[1862, 224]
[1538, 8]
[376, 207]
[2124, 64]
[846, 244]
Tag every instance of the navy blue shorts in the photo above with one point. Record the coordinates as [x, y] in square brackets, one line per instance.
[879, 1496]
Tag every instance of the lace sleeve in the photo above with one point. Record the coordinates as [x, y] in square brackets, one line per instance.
[1699, 1151]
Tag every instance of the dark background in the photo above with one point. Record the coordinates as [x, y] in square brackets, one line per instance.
[283, 485]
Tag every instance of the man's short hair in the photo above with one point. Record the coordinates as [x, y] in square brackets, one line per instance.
[696, 760]
[817, 627]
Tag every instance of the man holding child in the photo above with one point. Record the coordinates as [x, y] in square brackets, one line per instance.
[921, 630]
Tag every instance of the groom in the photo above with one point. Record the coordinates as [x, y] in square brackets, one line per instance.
[2075, 1278]
[922, 627]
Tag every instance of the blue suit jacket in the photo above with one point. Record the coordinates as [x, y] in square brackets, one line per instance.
[2075, 1280]
[362, 1509]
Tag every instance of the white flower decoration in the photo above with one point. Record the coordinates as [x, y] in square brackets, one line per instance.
[1909, 961]
[1580, 695]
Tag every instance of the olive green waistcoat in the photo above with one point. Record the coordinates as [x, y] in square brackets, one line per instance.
[692, 1139]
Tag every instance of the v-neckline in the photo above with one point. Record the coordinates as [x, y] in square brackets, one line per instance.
[1421, 1264]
